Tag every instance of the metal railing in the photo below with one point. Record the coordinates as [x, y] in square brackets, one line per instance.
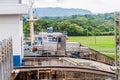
[6, 63]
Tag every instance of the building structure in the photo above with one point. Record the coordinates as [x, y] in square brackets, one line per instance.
[11, 26]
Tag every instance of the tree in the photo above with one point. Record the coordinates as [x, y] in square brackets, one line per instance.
[26, 29]
[74, 30]
[98, 24]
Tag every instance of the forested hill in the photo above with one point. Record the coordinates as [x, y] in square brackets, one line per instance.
[53, 12]
[76, 25]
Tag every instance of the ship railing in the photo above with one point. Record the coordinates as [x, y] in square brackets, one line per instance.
[6, 63]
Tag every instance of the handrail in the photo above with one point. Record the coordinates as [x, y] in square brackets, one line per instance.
[6, 56]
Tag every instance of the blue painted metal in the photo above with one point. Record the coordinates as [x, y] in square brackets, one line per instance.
[16, 60]
[22, 63]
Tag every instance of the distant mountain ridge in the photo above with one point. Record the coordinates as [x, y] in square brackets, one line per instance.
[53, 12]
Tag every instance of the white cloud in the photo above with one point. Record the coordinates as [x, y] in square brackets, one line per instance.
[96, 6]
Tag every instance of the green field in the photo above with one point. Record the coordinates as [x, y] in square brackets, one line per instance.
[104, 44]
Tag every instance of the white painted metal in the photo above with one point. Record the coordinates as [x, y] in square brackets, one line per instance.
[10, 1]
[13, 9]
[11, 23]
[31, 22]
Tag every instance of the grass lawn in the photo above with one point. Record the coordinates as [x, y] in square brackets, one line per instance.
[104, 44]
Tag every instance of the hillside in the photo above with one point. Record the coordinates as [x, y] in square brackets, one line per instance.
[76, 25]
[53, 12]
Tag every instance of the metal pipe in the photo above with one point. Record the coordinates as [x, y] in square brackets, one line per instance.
[115, 37]
[31, 22]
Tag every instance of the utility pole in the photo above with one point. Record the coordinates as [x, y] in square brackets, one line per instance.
[95, 34]
[117, 44]
[31, 20]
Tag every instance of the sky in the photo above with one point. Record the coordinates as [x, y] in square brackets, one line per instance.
[95, 6]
